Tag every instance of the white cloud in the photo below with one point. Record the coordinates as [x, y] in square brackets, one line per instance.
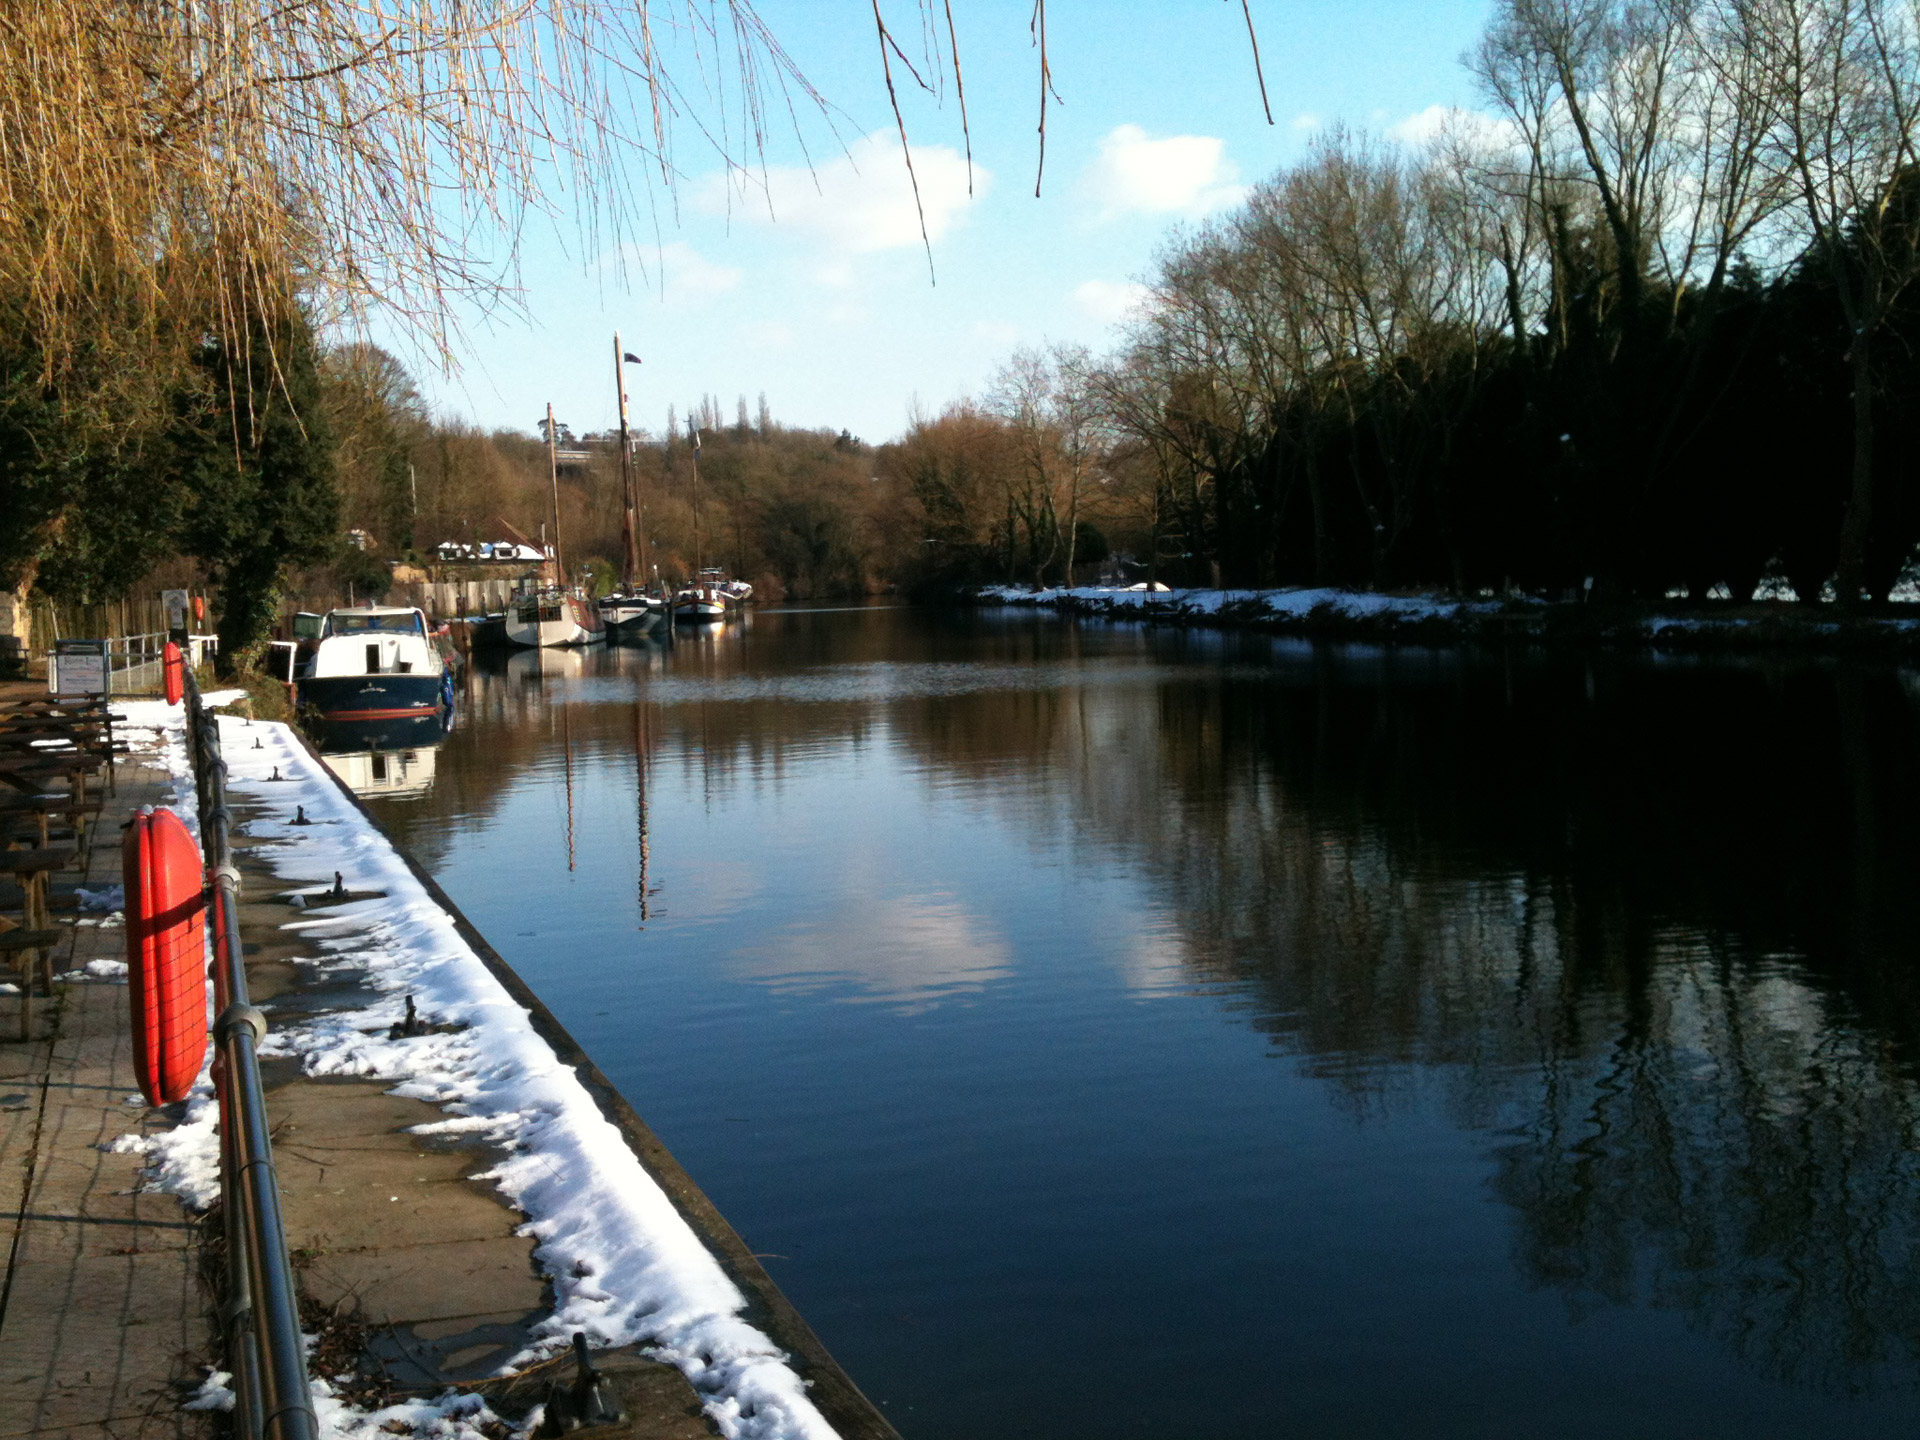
[858, 204]
[1474, 126]
[677, 274]
[1175, 175]
[997, 331]
[1307, 120]
[771, 336]
[684, 272]
[1422, 126]
[1110, 301]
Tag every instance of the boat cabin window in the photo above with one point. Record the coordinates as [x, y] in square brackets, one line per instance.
[404, 622]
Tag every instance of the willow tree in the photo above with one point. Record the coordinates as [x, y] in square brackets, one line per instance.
[179, 173]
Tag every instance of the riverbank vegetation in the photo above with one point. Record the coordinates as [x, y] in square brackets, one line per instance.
[1645, 321]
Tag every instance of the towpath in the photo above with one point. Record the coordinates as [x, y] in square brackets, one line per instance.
[411, 1269]
[105, 1326]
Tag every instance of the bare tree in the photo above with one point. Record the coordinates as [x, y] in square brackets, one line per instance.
[1838, 82]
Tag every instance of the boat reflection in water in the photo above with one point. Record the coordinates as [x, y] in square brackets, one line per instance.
[389, 774]
[549, 664]
[391, 759]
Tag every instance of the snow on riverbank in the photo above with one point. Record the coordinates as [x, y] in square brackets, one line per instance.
[625, 1267]
[1367, 615]
[1293, 604]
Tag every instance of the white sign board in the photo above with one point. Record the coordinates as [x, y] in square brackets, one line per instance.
[177, 603]
[78, 672]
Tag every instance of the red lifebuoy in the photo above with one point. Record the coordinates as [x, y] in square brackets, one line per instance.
[174, 670]
[166, 954]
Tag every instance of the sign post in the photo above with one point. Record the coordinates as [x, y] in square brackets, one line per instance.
[178, 604]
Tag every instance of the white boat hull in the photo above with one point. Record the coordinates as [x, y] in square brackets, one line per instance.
[550, 623]
[631, 616]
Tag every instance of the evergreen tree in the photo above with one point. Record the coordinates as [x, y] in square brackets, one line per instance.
[256, 466]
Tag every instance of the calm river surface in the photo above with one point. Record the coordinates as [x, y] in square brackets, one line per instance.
[1107, 1031]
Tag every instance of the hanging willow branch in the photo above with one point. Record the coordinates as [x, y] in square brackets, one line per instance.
[1037, 30]
[157, 154]
[166, 161]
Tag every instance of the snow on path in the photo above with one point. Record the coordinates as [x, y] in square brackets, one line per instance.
[624, 1265]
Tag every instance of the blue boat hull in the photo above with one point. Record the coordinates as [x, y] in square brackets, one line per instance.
[374, 697]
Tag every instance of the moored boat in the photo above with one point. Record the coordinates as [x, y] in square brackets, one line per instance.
[374, 662]
[407, 732]
[711, 596]
[627, 613]
[553, 617]
[696, 604]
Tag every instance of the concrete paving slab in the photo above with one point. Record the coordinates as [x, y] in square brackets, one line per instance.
[408, 1284]
[352, 1180]
[98, 1336]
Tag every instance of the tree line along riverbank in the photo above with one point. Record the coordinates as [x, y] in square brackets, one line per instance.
[1642, 320]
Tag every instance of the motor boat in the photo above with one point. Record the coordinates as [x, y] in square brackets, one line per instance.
[374, 662]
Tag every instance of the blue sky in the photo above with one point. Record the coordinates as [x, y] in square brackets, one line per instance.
[827, 305]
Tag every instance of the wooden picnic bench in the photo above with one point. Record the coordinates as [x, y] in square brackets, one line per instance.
[40, 810]
[35, 933]
[85, 724]
[28, 773]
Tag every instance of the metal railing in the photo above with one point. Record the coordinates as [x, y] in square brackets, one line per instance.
[133, 662]
[261, 1313]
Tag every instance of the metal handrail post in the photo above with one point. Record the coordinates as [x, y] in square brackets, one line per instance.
[273, 1400]
[243, 1343]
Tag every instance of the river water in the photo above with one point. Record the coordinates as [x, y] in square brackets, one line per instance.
[1107, 1031]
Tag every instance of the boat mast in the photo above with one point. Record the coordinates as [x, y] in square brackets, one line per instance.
[553, 476]
[698, 560]
[630, 528]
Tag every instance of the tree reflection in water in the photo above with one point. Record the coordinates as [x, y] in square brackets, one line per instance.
[1649, 919]
[1652, 920]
